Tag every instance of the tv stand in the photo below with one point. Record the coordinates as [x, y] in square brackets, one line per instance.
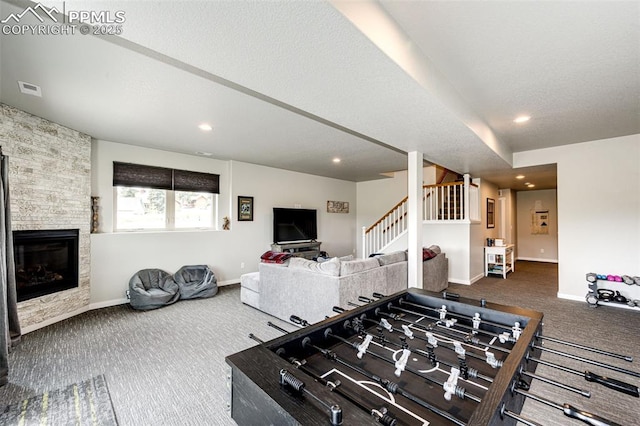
[306, 249]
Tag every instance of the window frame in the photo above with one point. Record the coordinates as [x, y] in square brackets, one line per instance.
[170, 181]
[170, 214]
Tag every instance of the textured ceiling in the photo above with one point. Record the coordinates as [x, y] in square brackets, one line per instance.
[293, 84]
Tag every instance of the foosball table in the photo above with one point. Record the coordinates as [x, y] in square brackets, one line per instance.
[412, 358]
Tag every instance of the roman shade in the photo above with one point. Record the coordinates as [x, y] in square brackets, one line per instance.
[138, 175]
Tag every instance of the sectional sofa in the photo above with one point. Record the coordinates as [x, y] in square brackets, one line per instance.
[311, 289]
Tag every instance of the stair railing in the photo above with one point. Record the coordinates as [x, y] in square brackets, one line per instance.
[445, 202]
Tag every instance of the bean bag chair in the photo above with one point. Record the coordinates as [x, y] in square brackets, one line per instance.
[196, 281]
[151, 289]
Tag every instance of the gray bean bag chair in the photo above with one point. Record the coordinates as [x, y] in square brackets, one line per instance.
[196, 281]
[151, 289]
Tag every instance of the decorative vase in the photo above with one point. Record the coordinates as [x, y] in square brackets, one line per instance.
[95, 205]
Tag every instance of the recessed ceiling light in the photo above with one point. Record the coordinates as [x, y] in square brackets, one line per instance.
[336, 160]
[527, 183]
[520, 177]
[206, 154]
[531, 185]
[30, 89]
[522, 119]
[205, 127]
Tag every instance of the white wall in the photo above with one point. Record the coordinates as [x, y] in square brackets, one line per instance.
[530, 245]
[454, 240]
[509, 232]
[598, 210]
[117, 256]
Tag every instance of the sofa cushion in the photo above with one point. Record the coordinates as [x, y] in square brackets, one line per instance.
[359, 265]
[390, 258]
[330, 267]
[345, 258]
[251, 281]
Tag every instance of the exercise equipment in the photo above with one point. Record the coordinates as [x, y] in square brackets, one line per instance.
[619, 298]
[605, 295]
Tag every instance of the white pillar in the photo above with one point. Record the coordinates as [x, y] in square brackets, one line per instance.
[414, 219]
[467, 196]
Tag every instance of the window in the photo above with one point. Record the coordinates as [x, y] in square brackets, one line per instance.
[156, 198]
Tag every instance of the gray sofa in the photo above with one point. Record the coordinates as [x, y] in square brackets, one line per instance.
[310, 289]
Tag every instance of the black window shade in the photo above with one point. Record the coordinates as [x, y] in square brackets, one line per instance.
[127, 174]
[184, 180]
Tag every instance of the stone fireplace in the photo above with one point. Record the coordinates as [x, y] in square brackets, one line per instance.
[50, 188]
[46, 261]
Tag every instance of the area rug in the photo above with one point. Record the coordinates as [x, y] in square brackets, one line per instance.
[83, 403]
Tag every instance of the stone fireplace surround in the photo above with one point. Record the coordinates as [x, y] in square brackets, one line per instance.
[50, 188]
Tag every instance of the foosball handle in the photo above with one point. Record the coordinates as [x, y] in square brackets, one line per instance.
[297, 320]
[450, 296]
[338, 309]
[614, 384]
[588, 418]
[378, 295]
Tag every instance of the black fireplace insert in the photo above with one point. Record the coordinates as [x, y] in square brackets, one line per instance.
[46, 261]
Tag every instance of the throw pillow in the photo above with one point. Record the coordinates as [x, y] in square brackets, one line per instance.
[330, 267]
[436, 249]
[274, 257]
[395, 257]
[354, 266]
[428, 254]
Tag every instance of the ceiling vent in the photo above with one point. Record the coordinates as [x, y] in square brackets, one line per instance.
[30, 89]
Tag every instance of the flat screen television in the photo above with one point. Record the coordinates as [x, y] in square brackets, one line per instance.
[294, 225]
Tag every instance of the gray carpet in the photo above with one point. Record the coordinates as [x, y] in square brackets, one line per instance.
[534, 285]
[166, 367]
[82, 404]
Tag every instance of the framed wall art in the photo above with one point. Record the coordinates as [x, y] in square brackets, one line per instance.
[337, 207]
[245, 208]
[491, 213]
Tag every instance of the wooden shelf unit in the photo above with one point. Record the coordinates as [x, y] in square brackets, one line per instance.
[499, 260]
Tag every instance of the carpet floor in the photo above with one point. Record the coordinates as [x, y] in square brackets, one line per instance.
[166, 367]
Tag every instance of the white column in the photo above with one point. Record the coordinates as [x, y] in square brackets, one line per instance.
[414, 219]
[467, 197]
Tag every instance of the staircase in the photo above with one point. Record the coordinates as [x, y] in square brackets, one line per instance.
[443, 202]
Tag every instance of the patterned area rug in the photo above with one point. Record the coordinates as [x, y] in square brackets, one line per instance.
[84, 403]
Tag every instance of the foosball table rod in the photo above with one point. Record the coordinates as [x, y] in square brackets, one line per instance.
[542, 348]
[538, 335]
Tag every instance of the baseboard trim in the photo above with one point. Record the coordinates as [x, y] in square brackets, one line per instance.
[458, 281]
[535, 259]
[54, 320]
[571, 297]
[108, 303]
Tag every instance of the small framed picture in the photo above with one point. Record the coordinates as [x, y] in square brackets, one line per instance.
[491, 213]
[245, 208]
[337, 207]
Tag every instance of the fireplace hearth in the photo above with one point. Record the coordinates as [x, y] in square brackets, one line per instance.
[46, 261]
